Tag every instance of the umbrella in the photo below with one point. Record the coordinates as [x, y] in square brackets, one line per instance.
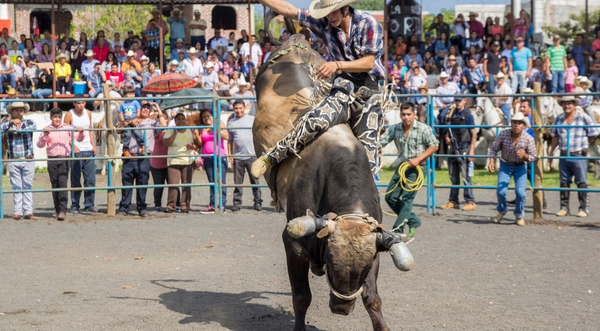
[194, 95]
[168, 83]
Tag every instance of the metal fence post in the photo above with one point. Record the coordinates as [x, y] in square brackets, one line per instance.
[216, 157]
[538, 133]
[430, 161]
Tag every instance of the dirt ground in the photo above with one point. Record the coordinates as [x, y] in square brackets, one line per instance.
[228, 272]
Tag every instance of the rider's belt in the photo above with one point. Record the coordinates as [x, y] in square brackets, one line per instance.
[582, 153]
[513, 164]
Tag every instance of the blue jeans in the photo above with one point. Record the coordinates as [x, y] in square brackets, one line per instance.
[137, 170]
[573, 168]
[210, 174]
[558, 81]
[88, 167]
[491, 84]
[519, 173]
[9, 78]
[596, 80]
[457, 170]
[41, 93]
[581, 69]
[127, 135]
[519, 80]
[506, 110]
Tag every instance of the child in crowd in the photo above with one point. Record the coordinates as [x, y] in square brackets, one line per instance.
[571, 73]
[429, 64]
[129, 115]
[395, 75]
[421, 102]
[58, 145]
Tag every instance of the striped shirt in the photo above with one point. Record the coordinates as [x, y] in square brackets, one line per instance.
[557, 56]
[579, 135]
[505, 145]
[365, 37]
[419, 139]
[20, 144]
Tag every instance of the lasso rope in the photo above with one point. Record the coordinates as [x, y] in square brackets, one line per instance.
[405, 183]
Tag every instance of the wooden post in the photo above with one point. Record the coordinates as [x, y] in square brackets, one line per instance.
[161, 40]
[385, 43]
[538, 195]
[53, 27]
[110, 148]
[250, 33]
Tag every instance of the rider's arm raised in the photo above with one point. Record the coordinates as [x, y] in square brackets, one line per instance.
[282, 7]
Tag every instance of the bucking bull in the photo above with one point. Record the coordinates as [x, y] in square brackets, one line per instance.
[330, 177]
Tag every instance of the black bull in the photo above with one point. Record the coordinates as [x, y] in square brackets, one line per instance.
[331, 175]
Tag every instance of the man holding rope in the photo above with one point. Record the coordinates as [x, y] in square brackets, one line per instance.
[415, 142]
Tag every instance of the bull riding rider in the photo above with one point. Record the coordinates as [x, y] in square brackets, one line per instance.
[353, 39]
[415, 142]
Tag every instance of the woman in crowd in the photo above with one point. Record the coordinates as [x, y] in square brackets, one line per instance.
[474, 54]
[454, 71]
[30, 51]
[83, 40]
[522, 26]
[152, 72]
[14, 51]
[487, 29]
[537, 73]
[441, 49]
[504, 66]
[46, 55]
[110, 60]
[3, 49]
[63, 49]
[473, 40]
[78, 57]
[180, 143]
[400, 46]
[496, 28]
[207, 138]
[232, 43]
[230, 65]
[453, 50]
[37, 43]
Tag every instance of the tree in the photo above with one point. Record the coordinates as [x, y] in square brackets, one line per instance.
[369, 5]
[448, 18]
[113, 19]
[568, 30]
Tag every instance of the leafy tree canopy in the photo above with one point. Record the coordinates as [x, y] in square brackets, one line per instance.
[568, 30]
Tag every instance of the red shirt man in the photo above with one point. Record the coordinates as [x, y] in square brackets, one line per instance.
[101, 50]
[115, 77]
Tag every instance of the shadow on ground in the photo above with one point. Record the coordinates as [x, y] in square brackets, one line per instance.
[233, 311]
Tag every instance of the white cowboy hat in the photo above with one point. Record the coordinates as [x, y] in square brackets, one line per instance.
[322, 8]
[519, 117]
[192, 50]
[528, 90]
[567, 98]
[209, 65]
[444, 75]
[130, 53]
[144, 58]
[89, 53]
[18, 104]
[583, 79]
[500, 75]
[174, 63]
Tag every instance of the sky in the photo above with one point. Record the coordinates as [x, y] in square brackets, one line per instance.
[432, 6]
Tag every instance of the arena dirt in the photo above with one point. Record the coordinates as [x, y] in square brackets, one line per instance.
[228, 272]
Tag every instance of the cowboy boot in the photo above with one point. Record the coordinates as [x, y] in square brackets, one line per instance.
[333, 110]
[564, 200]
[583, 201]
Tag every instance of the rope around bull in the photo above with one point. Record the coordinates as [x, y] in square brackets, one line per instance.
[405, 183]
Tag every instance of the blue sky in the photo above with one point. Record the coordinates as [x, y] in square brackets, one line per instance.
[432, 6]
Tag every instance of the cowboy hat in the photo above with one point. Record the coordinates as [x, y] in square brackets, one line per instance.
[209, 65]
[89, 53]
[130, 53]
[144, 58]
[18, 104]
[444, 75]
[500, 75]
[322, 8]
[11, 91]
[235, 54]
[174, 63]
[179, 40]
[192, 50]
[583, 79]
[519, 117]
[61, 56]
[567, 98]
[424, 87]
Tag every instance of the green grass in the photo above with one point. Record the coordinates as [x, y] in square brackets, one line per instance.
[483, 177]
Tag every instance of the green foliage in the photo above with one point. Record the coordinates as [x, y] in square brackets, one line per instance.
[369, 5]
[113, 19]
[568, 30]
[259, 23]
[448, 18]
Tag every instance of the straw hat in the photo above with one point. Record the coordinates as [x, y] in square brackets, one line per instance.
[144, 58]
[500, 75]
[130, 53]
[192, 50]
[583, 80]
[89, 53]
[424, 87]
[18, 104]
[444, 75]
[322, 8]
[11, 91]
[61, 56]
[519, 117]
[209, 65]
[568, 98]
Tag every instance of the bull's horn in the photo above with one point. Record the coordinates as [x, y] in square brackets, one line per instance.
[305, 225]
[400, 253]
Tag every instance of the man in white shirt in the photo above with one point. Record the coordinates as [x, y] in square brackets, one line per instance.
[7, 71]
[503, 88]
[253, 50]
[197, 31]
[209, 77]
[192, 67]
[217, 40]
[6, 39]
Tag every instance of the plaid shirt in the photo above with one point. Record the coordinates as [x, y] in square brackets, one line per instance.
[505, 145]
[579, 135]
[419, 139]
[366, 36]
[20, 144]
[154, 43]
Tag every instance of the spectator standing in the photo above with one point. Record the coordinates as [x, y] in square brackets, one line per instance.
[459, 28]
[475, 25]
[580, 136]
[63, 73]
[595, 72]
[557, 60]
[252, 49]
[198, 30]
[20, 150]
[240, 144]
[58, 145]
[522, 62]
[153, 39]
[7, 71]
[571, 74]
[81, 118]
[521, 26]
[415, 142]
[463, 145]
[439, 26]
[177, 24]
[580, 52]
[136, 171]
[497, 27]
[87, 67]
[160, 23]
[129, 117]
[596, 42]
[518, 149]
[491, 65]
[129, 40]
[503, 102]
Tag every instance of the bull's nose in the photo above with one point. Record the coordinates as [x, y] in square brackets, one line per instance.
[340, 307]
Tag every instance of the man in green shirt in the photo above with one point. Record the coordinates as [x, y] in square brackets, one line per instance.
[557, 60]
[415, 142]
[440, 26]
